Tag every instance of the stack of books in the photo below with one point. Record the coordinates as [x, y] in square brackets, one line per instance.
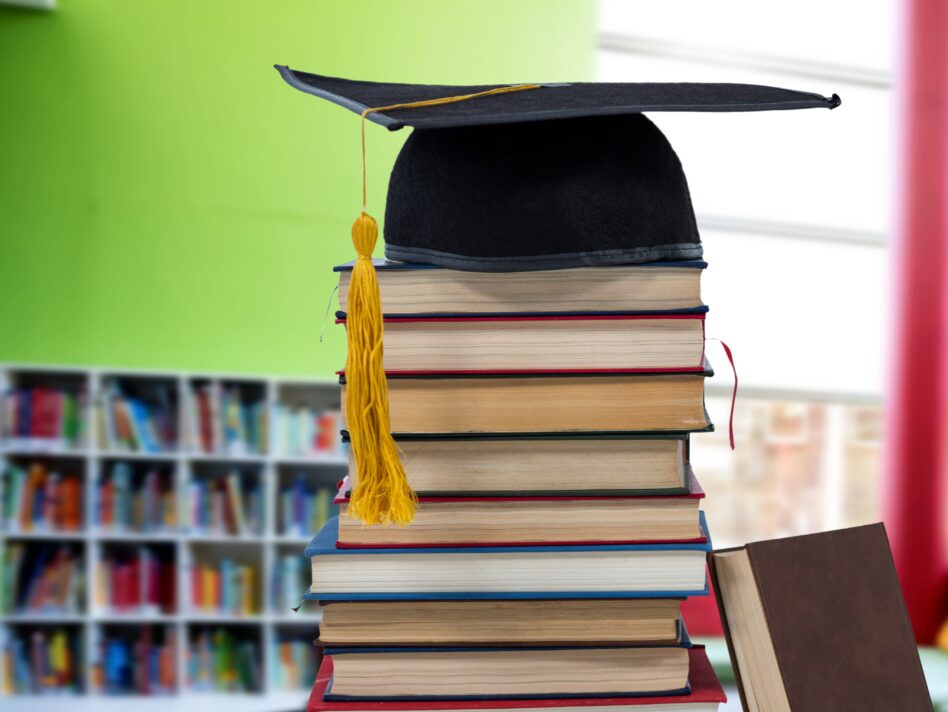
[544, 420]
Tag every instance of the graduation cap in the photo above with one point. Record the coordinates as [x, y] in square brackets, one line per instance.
[507, 178]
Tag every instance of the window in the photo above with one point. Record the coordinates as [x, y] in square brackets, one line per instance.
[794, 213]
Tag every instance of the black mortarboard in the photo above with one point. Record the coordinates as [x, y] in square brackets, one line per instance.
[510, 178]
[563, 175]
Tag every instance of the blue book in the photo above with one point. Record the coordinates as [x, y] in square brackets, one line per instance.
[506, 572]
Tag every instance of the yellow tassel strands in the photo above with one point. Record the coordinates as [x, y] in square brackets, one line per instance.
[381, 494]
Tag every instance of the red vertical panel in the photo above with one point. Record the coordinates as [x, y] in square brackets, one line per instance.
[701, 615]
[917, 425]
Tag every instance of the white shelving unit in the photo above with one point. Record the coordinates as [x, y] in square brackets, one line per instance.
[89, 459]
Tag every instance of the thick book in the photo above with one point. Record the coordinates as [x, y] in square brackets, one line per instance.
[502, 572]
[630, 621]
[817, 624]
[612, 403]
[487, 521]
[542, 465]
[704, 696]
[413, 289]
[466, 673]
[544, 344]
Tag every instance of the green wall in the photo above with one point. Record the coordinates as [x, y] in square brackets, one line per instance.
[166, 201]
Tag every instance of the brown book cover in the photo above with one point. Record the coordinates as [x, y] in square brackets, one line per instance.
[837, 622]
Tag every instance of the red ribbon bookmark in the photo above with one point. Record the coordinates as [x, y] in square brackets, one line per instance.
[730, 358]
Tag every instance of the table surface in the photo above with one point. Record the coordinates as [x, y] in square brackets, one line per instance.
[934, 661]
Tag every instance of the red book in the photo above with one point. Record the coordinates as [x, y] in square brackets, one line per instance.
[44, 413]
[167, 588]
[120, 586]
[205, 424]
[705, 689]
[144, 660]
[134, 584]
[71, 499]
[327, 431]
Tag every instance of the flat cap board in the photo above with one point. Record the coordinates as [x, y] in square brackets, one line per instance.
[550, 101]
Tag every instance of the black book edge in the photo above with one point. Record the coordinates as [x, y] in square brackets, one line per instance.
[383, 264]
[707, 372]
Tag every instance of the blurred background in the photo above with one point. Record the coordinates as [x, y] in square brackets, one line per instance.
[169, 215]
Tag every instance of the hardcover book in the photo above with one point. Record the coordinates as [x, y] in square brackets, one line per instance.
[546, 404]
[544, 344]
[817, 624]
[705, 695]
[505, 572]
[532, 464]
[423, 289]
[525, 622]
[463, 673]
[543, 519]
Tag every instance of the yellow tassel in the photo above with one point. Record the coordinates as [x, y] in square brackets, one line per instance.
[381, 493]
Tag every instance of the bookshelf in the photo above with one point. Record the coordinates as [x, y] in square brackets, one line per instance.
[152, 505]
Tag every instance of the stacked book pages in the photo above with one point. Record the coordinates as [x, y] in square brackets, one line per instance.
[544, 422]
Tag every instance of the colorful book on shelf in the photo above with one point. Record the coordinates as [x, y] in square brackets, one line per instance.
[227, 505]
[597, 403]
[486, 520]
[511, 572]
[40, 499]
[134, 424]
[290, 573]
[532, 464]
[573, 621]
[484, 673]
[224, 587]
[50, 415]
[293, 661]
[705, 694]
[135, 579]
[145, 505]
[139, 665]
[421, 289]
[221, 420]
[41, 662]
[41, 578]
[304, 508]
[630, 343]
[217, 660]
[301, 431]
